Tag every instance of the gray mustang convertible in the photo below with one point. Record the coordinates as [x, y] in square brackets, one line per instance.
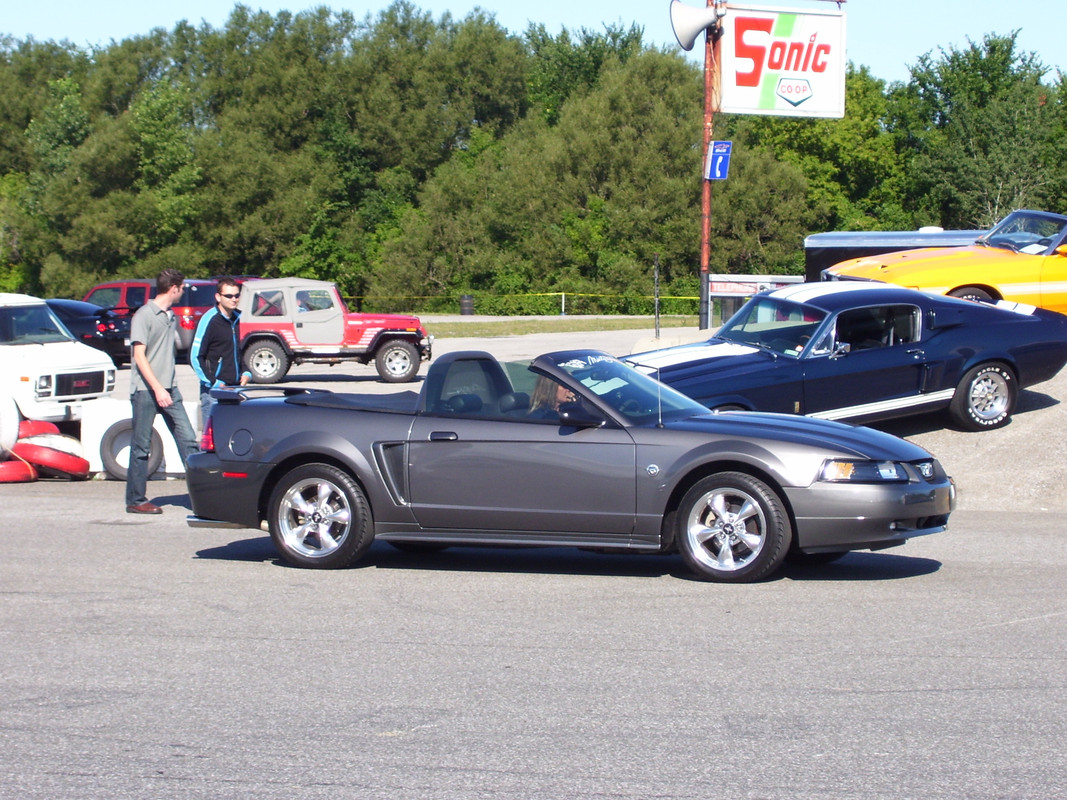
[575, 448]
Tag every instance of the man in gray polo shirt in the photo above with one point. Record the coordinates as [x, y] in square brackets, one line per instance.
[154, 388]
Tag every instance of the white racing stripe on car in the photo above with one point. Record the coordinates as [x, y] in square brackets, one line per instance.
[671, 356]
[806, 292]
[884, 405]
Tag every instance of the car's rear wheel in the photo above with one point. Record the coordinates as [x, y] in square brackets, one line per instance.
[266, 360]
[319, 517]
[985, 398]
[397, 361]
[732, 528]
[972, 293]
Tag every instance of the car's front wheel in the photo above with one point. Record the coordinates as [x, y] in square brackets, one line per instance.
[397, 361]
[972, 293]
[732, 528]
[266, 360]
[985, 398]
[319, 517]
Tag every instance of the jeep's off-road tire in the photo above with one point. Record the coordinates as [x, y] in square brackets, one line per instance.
[266, 360]
[397, 361]
[319, 517]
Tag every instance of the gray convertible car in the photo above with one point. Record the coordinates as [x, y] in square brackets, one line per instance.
[572, 449]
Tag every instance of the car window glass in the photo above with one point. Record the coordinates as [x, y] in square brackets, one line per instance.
[314, 300]
[107, 297]
[136, 296]
[30, 325]
[773, 324]
[197, 295]
[1025, 232]
[474, 387]
[268, 304]
[877, 326]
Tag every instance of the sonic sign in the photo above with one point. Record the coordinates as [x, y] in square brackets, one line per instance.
[783, 61]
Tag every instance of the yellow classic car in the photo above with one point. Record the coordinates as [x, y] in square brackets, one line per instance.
[1022, 259]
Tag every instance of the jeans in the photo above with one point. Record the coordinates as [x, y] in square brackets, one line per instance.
[207, 402]
[144, 415]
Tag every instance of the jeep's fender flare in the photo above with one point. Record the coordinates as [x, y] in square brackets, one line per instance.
[384, 336]
[258, 336]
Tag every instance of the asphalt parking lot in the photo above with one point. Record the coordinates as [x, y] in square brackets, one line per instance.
[142, 658]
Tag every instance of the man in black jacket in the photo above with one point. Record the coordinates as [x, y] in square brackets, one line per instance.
[215, 351]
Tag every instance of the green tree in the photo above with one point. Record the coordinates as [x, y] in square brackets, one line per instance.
[561, 67]
[974, 126]
[60, 127]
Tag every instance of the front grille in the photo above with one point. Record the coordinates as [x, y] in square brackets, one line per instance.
[78, 384]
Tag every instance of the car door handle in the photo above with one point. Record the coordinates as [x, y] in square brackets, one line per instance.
[443, 436]
[917, 352]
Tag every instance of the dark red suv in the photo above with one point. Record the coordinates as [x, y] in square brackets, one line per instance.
[198, 295]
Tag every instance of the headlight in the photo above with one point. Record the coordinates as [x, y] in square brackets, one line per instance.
[44, 386]
[925, 468]
[863, 471]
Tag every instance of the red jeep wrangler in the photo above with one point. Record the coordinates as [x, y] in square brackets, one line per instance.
[287, 321]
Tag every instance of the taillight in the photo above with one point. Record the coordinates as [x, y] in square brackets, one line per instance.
[207, 438]
[186, 317]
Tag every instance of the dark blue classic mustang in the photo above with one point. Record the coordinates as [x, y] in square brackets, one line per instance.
[864, 352]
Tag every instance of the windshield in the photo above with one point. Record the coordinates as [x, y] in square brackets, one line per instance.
[780, 326]
[640, 398]
[1026, 232]
[34, 324]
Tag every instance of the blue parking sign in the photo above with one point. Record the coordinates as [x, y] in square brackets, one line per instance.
[718, 166]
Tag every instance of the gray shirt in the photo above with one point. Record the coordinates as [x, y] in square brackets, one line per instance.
[155, 329]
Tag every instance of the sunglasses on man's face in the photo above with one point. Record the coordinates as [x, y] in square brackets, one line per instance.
[230, 296]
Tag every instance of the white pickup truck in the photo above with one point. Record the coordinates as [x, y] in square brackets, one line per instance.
[42, 367]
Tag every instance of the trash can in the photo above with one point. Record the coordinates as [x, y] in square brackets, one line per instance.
[466, 304]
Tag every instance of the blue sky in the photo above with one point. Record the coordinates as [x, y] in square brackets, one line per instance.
[886, 36]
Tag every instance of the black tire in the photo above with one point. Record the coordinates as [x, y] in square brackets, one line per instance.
[319, 518]
[732, 528]
[266, 360]
[115, 450]
[972, 293]
[985, 398]
[397, 361]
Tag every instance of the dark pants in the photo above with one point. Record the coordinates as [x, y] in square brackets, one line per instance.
[144, 415]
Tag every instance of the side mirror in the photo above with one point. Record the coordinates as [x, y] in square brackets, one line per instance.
[841, 349]
[576, 415]
[1061, 250]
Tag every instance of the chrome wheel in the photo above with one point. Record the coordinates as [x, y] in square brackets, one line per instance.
[989, 396]
[732, 527]
[320, 518]
[727, 529]
[314, 518]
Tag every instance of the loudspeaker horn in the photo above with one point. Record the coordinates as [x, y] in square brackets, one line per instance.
[688, 22]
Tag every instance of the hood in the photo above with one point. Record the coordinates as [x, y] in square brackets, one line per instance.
[702, 353]
[403, 321]
[673, 363]
[68, 356]
[899, 267]
[837, 437]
